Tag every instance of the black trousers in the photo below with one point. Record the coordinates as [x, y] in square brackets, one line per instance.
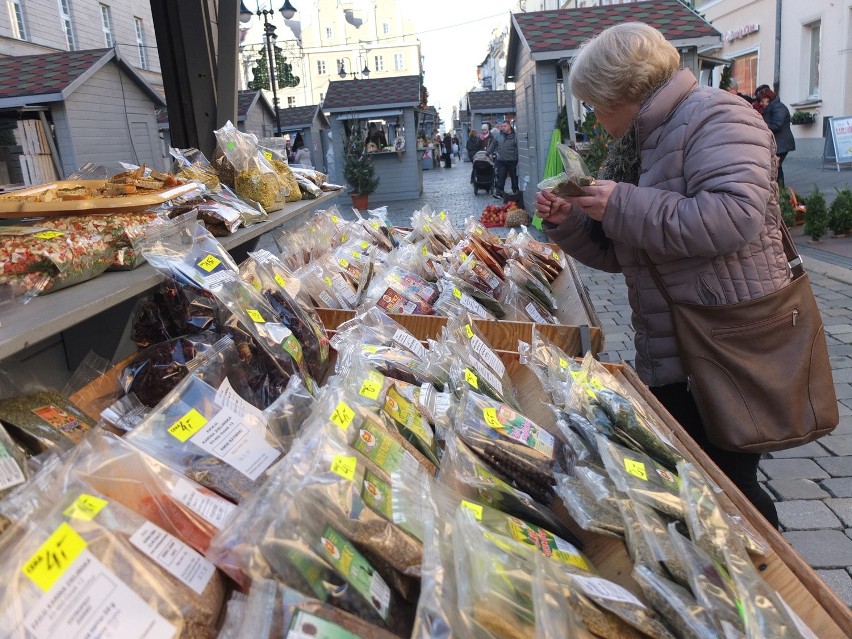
[781, 157]
[504, 167]
[741, 468]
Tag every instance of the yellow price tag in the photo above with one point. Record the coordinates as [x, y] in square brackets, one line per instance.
[471, 378]
[357, 256]
[468, 331]
[343, 263]
[425, 250]
[267, 155]
[328, 281]
[48, 235]
[344, 237]
[365, 244]
[54, 557]
[281, 281]
[188, 425]
[344, 466]
[209, 262]
[373, 385]
[342, 415]
[476, 509]
[490, 415]
[442, 215]
[335, 219]
[369, 348]
[636, 468]
[375, 224]
[457, 293]
[479, 230]
[563, 363]
[255, 316]
[85, 507]
[555, 256]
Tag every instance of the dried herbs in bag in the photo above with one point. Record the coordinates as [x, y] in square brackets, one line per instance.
[254, 176]
[683, 614]
[585, 508]
[13, 468]
[44, 421]
[191, 431]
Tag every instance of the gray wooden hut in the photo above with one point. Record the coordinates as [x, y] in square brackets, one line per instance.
[390, 102]
[101, 109]
[492, 107]
[542, 45]
[255, 114]
[311, 122]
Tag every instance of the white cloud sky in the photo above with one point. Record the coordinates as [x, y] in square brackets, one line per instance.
[454, 35]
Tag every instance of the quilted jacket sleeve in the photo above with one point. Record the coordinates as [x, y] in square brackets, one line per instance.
[574, 239]
[726, 160]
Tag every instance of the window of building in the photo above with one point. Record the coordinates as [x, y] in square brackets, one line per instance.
[744, 71]
[398, 62]
[385, 28]
[813, 32]
[321, 67]
[140, 42]
[67, 25]
[16, 13]
[106, 24]
[328, 32]
[291, 101]
[379, 63]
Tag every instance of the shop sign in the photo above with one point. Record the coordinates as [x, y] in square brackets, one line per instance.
[741, 32]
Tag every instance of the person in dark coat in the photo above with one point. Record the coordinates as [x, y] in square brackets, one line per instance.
[448, 151]
[777, 118]
[756, 104]
[472, 145]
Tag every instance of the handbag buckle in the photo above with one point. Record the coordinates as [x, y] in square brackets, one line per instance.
[796, 262]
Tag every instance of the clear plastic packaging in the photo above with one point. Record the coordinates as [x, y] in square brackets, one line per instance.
[13, 467]
[395, 290]
[675, 604]
[529, 278]
[545, 256]
[523, 306]
[191, 164]
[585, 507]
[456, 300]
[254, 176]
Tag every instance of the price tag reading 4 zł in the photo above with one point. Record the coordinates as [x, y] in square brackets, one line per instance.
[344, 466]
[636, 468]
[85, 507]
[54, 556]
[188, 425]
[343, 415]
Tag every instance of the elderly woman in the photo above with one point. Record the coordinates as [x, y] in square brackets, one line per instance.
[690, 188]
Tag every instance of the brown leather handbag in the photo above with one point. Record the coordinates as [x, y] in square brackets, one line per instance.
[758, 370]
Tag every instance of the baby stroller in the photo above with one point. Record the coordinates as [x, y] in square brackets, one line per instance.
[482, 174]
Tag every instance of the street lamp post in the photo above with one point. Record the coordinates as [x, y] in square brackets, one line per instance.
[287, 10]
[341, 73]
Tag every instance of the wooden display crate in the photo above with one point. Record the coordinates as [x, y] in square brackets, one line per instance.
[782, 568]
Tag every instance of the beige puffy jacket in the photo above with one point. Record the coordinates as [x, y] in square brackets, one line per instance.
[705, 210]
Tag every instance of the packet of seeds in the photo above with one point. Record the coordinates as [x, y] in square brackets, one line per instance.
[637, 547]
[711, 584]
[683, 614]
[287, 414]
[123, 473]
[585, 508]
[466, 473]
[550, 261]
[392, 361]
[553, 619]
[642, 478]
[221, 450]
[147, 583]
[379, 329]
[466, 267]
[491, 304]
[529, 278]
[468, 374]
[462, 334]
[582, 451]
[456, 299]
[521, 451]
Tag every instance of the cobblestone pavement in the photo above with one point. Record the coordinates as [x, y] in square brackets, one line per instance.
[811, 484]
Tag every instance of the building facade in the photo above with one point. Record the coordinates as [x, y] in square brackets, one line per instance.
[330, 41]
[33, 27]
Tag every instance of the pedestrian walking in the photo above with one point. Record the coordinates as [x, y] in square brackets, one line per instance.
[456, 148]
[733, 87]
[687, 187]
[472, 145]
[485, 137]
[777, 118]
[448, 151]
[505, 146]
[756, 104]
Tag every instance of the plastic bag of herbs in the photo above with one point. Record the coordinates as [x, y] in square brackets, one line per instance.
[299, 540]
[125, 474]
[146, 582]
[265, 272]
[253, 176]
[272, 610]
[13, 467]
[190, 430]
[436, 228]
[396, 290]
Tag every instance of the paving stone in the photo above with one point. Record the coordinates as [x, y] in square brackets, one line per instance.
[836, 466]
[810, 450]
[840, 582]
[836, 329]
[841, 374]
[838, 487]
[792, 469]
[806, 515]
[822, 548]
[838, 444]
[841, 507]
[761, 476]
[787, 489]
[843, 391]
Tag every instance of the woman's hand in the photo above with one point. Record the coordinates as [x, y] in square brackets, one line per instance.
[552, 208]
[594, 204]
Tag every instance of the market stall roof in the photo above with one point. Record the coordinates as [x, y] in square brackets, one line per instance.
[361, 95]
[52, 77]
[247, 100]
[491, 101]
[552, 35]
[296, 118]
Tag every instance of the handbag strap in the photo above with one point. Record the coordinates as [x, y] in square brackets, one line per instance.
[794, 261]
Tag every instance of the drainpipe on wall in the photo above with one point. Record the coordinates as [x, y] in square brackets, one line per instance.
[776, 76]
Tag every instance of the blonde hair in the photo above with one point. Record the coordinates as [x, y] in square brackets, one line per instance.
[624, 63]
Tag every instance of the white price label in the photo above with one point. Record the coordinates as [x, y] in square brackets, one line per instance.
[226, 437]
[343, 290]
[90, 601]
[211, 508]
[174, 556]
[488, 356]
[532, 311]
[473, 306]
[489, 377]
[10, 473]
[407, 340]
[596, 587]
[227, 397]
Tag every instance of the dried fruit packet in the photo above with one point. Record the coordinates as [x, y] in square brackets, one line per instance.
[436, 228]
